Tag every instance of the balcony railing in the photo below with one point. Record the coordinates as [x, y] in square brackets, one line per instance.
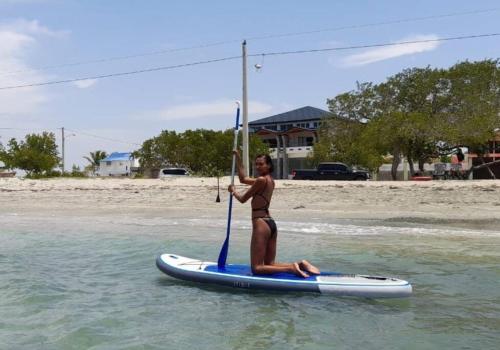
[294, 149]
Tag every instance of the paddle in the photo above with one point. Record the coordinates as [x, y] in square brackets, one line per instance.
[225, 247]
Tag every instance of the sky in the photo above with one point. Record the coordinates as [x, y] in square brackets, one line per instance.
[51, 40]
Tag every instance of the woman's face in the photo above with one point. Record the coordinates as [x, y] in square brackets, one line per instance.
[261, 166]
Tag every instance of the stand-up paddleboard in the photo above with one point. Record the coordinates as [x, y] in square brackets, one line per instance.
[240, 276]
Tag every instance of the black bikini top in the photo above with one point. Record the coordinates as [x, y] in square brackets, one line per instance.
[261, 194]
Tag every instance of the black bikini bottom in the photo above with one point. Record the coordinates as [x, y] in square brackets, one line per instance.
[272, 225]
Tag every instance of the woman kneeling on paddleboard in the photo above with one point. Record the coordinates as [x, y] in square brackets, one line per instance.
[264, 230]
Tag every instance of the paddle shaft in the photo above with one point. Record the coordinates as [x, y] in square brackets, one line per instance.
[221, 262]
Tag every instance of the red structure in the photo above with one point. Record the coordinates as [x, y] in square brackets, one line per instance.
[492, 154]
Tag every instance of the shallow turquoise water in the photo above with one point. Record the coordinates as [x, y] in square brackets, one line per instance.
[91, 283]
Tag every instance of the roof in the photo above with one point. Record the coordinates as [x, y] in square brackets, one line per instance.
[295, 129]
[300, 114]
[117, 156]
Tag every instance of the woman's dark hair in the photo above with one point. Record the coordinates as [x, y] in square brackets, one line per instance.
[268, 161]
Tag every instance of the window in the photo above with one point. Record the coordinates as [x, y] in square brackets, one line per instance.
[271, 143]
[333, 167]
[315, 125]
[271, 127]
[305, 141]
[339, 167]
[286, 127]
[108, 163]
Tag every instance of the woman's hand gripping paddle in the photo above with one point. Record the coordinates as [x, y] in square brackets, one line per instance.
[221, 262]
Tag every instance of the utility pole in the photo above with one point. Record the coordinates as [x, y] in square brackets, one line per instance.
[62, 131]
[245, 109]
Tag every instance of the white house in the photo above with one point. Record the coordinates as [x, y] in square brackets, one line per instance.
[118, 164]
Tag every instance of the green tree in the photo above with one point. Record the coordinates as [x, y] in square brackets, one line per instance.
[473, 109]
[37, 154]
[5, 157]
[419, 113]
[76, 171]
[412, 100]
[94, 159]
[204, 152]
[2, 154]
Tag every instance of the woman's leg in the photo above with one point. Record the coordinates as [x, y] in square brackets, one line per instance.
[307, 266]
[271, 248]
[258, 253]
[271, 256]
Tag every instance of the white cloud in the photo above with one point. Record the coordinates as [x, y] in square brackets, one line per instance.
[83, 84]
[17, 101]
[32, 27]
[218, 108]
[12, 43]
[17, 38]
[388, 52]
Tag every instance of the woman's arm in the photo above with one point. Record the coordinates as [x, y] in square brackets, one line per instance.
[258, 185]
[241, 171]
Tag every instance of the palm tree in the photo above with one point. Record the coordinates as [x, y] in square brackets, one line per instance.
[95, 158]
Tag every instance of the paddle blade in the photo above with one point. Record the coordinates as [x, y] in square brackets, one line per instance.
[221, 262]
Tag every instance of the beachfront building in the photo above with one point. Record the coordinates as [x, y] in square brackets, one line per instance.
[118, 164]
[290, 137]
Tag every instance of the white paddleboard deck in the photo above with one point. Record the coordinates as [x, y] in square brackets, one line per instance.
[240, 276]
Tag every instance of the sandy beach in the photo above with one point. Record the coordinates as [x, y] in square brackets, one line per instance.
[472, 204]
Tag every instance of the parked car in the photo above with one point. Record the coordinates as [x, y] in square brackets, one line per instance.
[169, 172]
[330, 171]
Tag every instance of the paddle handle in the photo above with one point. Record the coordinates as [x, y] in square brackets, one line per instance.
[235, 146]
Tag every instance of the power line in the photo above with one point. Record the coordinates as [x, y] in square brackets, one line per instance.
[77, 132]
[122, 73]
[375, 45]
[118, 58]
[375, 24]
[103, 138]
[252, 55]
[254, 38]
